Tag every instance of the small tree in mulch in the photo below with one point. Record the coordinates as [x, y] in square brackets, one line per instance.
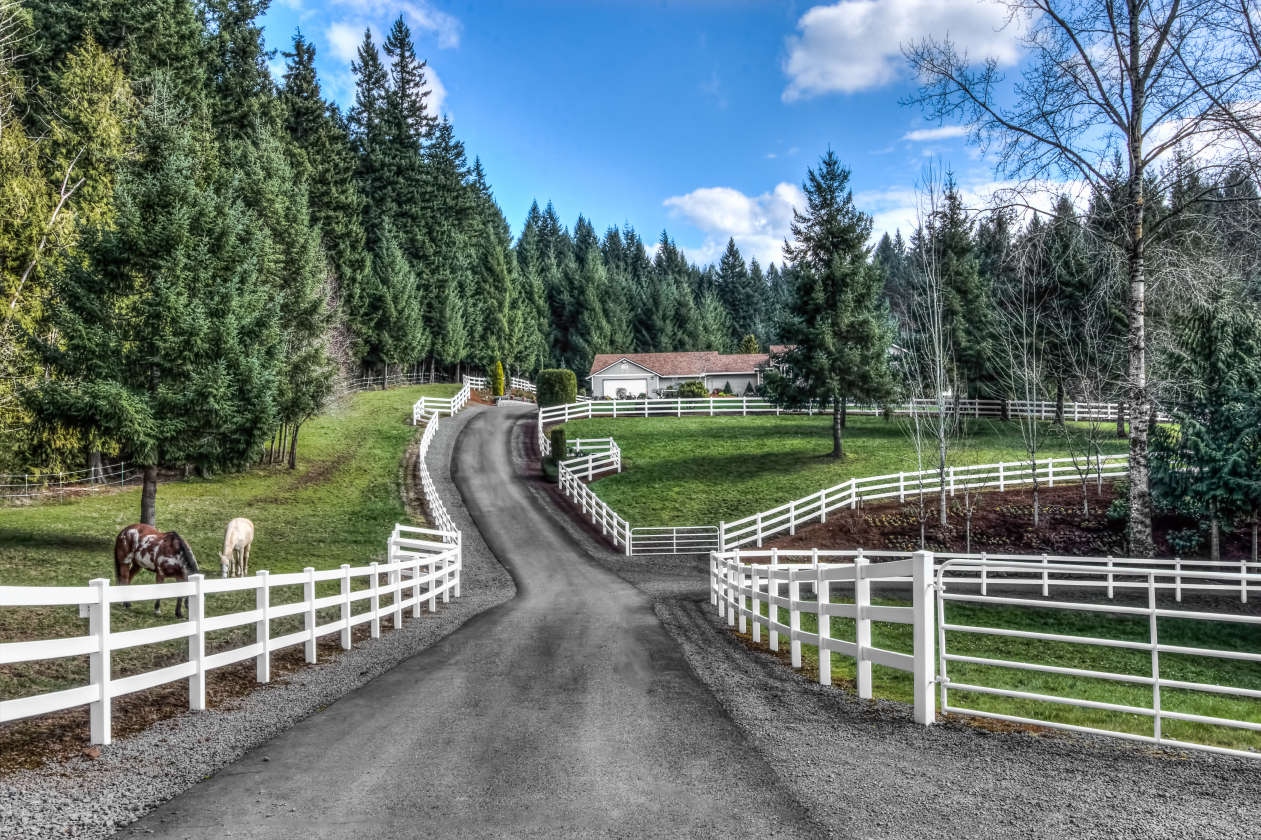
[693, 389]
[497, 380]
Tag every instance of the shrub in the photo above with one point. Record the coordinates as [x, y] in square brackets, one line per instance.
[1185, 541]
[749, 390]
[558, 442]
[692, 389]
[556, 386]
[497, 380]
[726, 389]
[748, 345]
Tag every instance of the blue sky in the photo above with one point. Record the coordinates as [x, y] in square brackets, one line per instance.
[698, 116]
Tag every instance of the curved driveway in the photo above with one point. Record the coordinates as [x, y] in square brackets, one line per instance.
[566, 712]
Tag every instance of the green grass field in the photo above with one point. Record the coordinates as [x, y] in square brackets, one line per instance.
[704, 470]
[896, 685]
[338, 506]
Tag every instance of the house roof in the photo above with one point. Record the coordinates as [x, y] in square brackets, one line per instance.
[693, 363]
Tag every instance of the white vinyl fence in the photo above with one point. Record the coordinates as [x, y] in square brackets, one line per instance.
[743, 583]
[445, 405]
[754, 529]
[423, 565]
[519, 384]
[515, 383]
[573, 470]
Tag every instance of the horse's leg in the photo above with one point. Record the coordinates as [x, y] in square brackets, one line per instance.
[245, 570]
[123, 571]
[157, 604]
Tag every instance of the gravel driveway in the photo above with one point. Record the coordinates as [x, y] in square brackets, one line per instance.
[864, 769]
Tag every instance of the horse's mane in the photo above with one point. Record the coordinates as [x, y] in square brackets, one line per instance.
[186, 554]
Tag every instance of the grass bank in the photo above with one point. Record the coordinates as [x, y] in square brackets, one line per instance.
[704, 470]
[338, 506]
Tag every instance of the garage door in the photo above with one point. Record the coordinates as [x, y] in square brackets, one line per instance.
[633, 387]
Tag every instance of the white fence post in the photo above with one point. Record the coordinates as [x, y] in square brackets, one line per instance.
[794, 620]
[376, 601]
[99, 663]
[862, 626]
[924, 643]
[197, 644]
[345, 606]
[823, 597]
[756, 603]
[395, 579]
[772, 591]
[729, 578]
[262, 628]
[308, 593]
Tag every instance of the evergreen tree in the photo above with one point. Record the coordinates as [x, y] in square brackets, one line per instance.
[742, 297]
[715, 323]
[837, 321]
[242, 92]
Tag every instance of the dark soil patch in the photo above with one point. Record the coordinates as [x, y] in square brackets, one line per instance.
[1001, 524]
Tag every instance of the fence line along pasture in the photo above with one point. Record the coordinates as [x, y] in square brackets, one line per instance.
[33, 485]
[743, 582]
[423, 565]
[755, 528]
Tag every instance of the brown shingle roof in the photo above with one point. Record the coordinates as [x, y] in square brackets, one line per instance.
[693, 363]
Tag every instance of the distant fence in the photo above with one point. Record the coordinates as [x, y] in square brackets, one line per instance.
[754, 529]
[744, 583]
[516, 383]
[446, 405]
[35, 485]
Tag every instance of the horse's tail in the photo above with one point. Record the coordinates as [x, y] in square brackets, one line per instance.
[186, 556]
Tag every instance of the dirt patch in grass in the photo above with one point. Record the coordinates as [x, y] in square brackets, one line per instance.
[29, 743]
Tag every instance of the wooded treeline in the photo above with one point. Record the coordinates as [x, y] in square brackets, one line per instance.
[193, 255]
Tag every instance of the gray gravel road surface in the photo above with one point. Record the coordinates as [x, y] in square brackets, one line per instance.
[566, 712]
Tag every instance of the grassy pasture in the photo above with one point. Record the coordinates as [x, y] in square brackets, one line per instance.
[703, 470]
[338, 506]
[896, 685]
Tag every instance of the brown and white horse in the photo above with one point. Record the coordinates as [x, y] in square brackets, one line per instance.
[167, 555]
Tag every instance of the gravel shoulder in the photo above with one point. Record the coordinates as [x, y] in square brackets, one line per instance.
[864, 769]
[91, 798]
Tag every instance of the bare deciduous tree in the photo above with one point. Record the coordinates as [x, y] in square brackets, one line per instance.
[1108, 81]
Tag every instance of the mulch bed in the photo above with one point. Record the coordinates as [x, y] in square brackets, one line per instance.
[1001, 524]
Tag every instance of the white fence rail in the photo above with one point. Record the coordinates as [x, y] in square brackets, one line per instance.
[519, 384]
[740, 590]
[571, 484]
[423, 566]
[745, 582]
[752, 530]
[445, 405]
[1142, 575]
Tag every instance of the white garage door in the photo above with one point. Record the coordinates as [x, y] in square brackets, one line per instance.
[633, 387]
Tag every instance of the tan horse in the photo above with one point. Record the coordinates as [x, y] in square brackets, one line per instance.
[235, 558]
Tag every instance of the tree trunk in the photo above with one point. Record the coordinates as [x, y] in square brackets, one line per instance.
[1059, 402]
[1215, 539]
[149, 496]
[96, 473]
[1036, 507]
[1254, 538]
[1120, 420]
[838, 428]
[844, 411]
[293, 446]
[1005, 409]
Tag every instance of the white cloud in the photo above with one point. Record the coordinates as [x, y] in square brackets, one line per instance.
[928, 135]
[759, 224]
[856, 45]
[421, 15]
[344, 38]
[437, 91]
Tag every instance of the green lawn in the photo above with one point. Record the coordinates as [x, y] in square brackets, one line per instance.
[896, 685]
[338, 506]
[705, 470]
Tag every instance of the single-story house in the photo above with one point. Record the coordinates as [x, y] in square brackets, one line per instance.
[631, 374]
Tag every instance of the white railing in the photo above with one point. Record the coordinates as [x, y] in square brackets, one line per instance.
[740, 590]
[1141, 575]
[744, 406]
[591, 506]
[477, 383]
[32, 485]
[700, 539]
[446, 405]
[437, 510]
[423, 565]
[753, 529]
[519, 384]
[744, 582]
[516, 383]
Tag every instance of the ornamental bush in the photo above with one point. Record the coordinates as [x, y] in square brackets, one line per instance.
[497, 380]
[692, 389]
[556, 386]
